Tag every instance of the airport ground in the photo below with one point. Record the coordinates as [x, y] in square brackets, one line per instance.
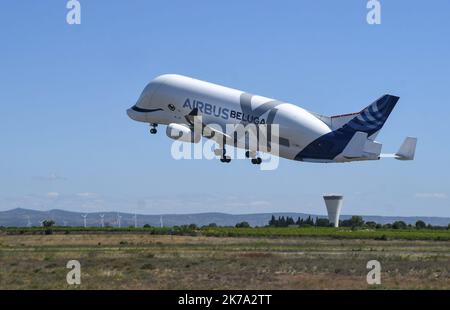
[146, 261]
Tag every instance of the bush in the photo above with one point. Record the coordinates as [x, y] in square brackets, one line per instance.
[243, 225]
[371, 224]
[354, 221]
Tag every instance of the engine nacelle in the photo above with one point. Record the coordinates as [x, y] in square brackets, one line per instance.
[182, 133]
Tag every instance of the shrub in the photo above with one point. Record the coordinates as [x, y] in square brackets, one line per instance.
[243, 225]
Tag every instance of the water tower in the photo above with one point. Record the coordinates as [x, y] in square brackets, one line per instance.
[334, 205]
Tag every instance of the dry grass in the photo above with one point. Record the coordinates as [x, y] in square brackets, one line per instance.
[127, 261]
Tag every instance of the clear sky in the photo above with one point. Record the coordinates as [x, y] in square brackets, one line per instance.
[67, 143]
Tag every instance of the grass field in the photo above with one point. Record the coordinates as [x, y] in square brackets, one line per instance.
[123, 260]
[322, 232]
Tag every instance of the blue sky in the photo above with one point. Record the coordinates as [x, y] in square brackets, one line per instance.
[67, 142]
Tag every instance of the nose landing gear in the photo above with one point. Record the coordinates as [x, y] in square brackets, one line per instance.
[153, 128]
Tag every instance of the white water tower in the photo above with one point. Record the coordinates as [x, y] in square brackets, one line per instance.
[334, 205]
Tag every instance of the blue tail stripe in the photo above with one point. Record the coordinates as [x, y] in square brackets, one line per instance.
[333, 143]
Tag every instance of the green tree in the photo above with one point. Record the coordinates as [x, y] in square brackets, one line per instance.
[242, 225]
[48, 223]
[273, 221]
[420, 224]
[299, 221]
[290, 221]
[371, 224]
[354, 221]
[322, 222]
[399, 225]
[309, 221]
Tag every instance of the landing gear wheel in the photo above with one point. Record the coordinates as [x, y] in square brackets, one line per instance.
[257, 161]
[247, 154]
[153, 128]
[225, 159]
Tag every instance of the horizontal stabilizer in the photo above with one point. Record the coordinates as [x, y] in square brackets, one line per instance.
[407, 149]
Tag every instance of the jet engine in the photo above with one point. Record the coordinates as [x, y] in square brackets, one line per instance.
[182, 133]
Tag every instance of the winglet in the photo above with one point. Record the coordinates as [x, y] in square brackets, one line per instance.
[407, 149]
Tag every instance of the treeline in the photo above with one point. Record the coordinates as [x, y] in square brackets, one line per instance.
[354, 222]
[288, 221]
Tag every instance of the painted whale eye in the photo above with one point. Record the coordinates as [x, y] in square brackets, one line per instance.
[171, 107]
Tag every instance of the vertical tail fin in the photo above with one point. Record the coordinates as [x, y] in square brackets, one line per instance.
[364, 124]
[371, 119]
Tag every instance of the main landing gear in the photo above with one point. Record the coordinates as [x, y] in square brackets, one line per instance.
[153, 128]
[225, 159]
[255, 160]
[221, 153]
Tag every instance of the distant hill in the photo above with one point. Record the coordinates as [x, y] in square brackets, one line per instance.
[19, 217]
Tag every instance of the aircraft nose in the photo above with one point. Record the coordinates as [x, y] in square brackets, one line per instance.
[135, 115]
[130, 114]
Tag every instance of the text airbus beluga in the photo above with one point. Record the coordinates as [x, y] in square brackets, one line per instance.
[182, 103]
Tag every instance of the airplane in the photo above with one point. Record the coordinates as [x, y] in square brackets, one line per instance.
[175, 100]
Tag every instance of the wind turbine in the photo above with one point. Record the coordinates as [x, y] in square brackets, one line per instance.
[102, 221]
[28, 221]
[161, 221]
[118, 219]
[84, 218]
[135, 220]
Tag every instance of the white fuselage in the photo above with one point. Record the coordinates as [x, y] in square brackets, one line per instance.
[169, 98]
